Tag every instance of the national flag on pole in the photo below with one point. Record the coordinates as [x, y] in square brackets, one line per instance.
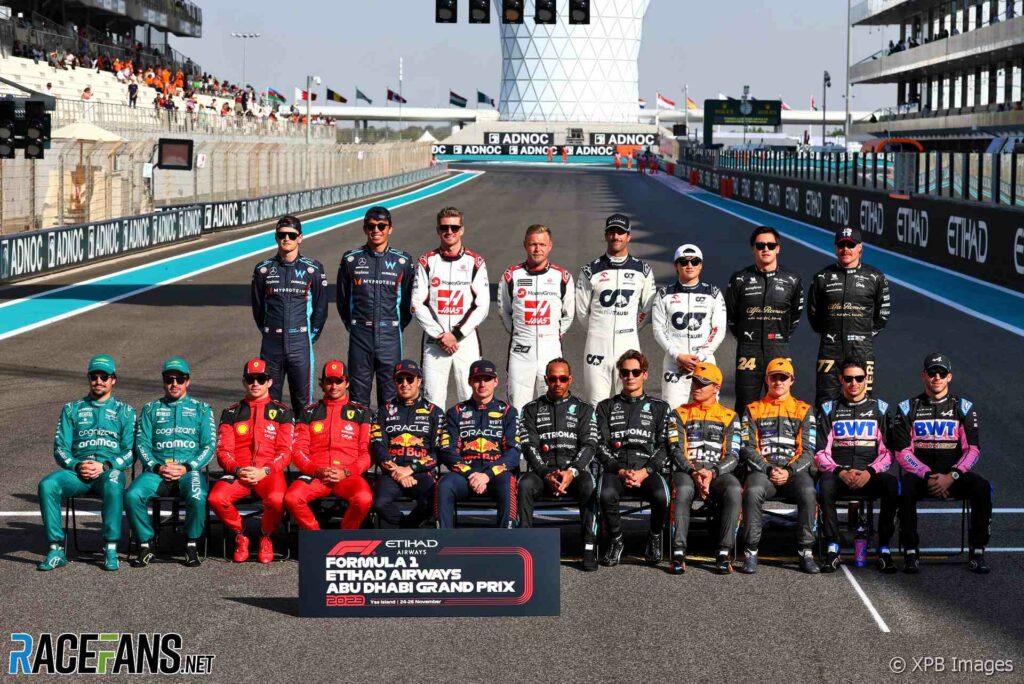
[785, 107]
[361, 96]
[723, 97]
[814, 107]
[395, 97]
[456, 100]
[691, 105]
[483, 98]
[335, 96]
[303, 95]
[274, 96]
[665, 103]
[643, 103]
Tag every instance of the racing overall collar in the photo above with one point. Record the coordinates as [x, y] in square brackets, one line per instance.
[633, 400]
[444, 255]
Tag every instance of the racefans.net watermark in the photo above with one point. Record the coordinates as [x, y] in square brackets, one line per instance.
[104, 653]
[953, 665]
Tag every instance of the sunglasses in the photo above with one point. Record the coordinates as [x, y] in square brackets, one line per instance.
[482, 378]
[370, 227]
[850, 379]
[694, 261]
[405, 379]
[558, 378]
[447, 228]
[938, 373]
[335, 380]
[846, 244]
[100, 375]
[175, 379]
[258, 378]
[630, 372]
[770, 246]
[281, 236]
[778, 377]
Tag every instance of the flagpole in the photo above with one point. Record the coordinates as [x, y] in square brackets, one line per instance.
[401, 74]
[686, 108]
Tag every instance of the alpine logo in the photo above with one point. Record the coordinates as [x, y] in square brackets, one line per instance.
[450, 302]
[537, 312]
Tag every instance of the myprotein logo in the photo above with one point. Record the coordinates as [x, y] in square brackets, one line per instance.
[872, 217]
[967, 238]
[839, 210]
[912, 226]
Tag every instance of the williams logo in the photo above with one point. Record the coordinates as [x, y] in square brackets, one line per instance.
[97, 653]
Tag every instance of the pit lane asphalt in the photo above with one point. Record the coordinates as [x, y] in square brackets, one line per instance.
[630, 621]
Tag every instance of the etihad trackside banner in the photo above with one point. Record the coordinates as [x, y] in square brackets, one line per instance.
[428, 573]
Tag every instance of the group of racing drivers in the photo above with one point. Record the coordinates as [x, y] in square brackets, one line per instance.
[617, 441]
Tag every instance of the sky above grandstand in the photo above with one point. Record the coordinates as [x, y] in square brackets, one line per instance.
[778, 48]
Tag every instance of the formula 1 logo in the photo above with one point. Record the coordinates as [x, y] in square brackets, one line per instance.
[594, 359]
[450, 302]
[537, 312]
[618, 299]
[363, 548]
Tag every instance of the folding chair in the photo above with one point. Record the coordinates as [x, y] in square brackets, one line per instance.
[250, 506]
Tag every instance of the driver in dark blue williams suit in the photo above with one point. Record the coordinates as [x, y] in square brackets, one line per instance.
[289, 305]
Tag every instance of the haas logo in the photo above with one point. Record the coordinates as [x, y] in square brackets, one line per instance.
[615, 298]
[687, 321]
[537, 312]
[450, 302]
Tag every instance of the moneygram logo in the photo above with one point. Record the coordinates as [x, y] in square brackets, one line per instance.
[104, 653]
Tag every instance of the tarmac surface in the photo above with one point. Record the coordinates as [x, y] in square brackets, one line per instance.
[630, 622]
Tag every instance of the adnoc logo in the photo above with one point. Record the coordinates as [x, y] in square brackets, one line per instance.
[104, 653]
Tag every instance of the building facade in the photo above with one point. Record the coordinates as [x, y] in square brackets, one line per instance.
[573, 73]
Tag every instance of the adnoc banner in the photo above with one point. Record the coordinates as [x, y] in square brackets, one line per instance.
[501, 150]
[519, 138]
[428, 573]
[985, 241]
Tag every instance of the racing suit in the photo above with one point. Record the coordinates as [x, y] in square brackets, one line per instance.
[537, 308]
[847, 307]
[374, 299]
[482, 439]
[940, 437]
[614, 295]
[101, 431]
[635, 433]
[852, 436]
[686, 320]
[710, 440]
[332, 434]
[407, 435]
[763, 308]
[172, 431]
[559, 435]
[450, 294]
[253, 434]
[778, 433]
[289, 305]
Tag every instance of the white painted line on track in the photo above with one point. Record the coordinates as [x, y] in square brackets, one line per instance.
[899, 281]
[867, 602]
[444, 184]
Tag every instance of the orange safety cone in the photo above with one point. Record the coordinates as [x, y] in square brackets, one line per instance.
[551, 153]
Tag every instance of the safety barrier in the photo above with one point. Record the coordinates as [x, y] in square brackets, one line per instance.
[30, 254]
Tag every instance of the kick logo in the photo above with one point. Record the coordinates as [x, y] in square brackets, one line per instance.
[104, 653]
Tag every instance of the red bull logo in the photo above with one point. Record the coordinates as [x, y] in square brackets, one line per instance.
[406, 440]
[482, 446]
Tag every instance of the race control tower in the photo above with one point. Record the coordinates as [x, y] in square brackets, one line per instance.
[573, 73]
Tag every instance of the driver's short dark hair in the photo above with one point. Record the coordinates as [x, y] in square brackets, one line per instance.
[761, 230]
[634, 355]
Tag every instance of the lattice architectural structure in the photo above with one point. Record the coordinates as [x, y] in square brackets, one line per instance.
[584, 73]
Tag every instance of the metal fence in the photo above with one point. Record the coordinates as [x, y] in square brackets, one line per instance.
[80, 181]
[979, 177]
[145, 120]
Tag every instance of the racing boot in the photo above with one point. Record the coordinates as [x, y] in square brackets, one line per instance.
[749, 562]
[911, 562]
[110, 561]
[678, 562]
[241, 548]
[653, 553]
[885, 563]
[589, 556]
[266, 552]
[55, 558]
[976, 562]
[832, 560]
[192, 559]
[613, 553]
[722, 564]
[145, 556]
[807, 562]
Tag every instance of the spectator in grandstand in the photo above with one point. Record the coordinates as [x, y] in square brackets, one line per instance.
[70, 60]
[87, 93]
[133, 94]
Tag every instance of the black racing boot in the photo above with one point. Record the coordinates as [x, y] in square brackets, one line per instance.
[911, 562]
[653, 553]
[976, 562]
[613, 553]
